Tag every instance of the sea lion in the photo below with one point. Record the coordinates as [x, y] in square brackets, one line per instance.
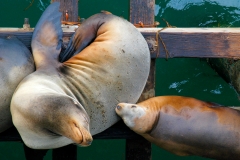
[107, 61]
[185, 126]
[16, 62]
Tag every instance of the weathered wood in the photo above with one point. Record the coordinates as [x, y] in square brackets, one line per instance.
[229, 70]
[142, 10]
[149, 90]
[69, 6]
[117, 131]
[180, 42]
[32, 154]
[196, 42]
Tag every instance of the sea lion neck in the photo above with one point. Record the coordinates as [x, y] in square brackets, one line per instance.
[154, 106]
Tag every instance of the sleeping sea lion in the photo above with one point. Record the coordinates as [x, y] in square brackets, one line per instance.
[185, 126]
[107, 61]
[16, 62]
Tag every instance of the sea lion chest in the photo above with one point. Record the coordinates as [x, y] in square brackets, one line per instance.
[108, 71]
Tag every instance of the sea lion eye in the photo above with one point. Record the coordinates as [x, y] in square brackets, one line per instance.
[133, 106]
[52, 133]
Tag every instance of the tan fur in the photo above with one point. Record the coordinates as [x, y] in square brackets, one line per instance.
[187, 126]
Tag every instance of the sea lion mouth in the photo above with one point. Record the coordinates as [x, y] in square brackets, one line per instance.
[86, 138]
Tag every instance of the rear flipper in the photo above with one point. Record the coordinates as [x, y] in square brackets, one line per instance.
[84, 35]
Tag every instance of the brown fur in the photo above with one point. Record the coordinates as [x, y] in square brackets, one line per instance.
[187, 126]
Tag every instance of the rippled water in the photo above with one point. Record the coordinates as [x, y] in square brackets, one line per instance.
[194, 77]
[200, 13]
[179, 76]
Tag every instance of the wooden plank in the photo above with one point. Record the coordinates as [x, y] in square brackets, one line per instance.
[117, 131]
[32, 154]
[69, 7]
[196, 42]
[180, 42]
[149, 90]
[229, 70]
[143, 11]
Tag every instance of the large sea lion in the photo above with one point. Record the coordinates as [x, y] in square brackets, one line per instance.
[63, 103]
[185, 126]
[16, 62]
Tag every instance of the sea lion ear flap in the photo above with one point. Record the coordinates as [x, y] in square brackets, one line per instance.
[48, 32]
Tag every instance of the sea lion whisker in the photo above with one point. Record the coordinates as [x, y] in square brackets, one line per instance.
[79, 129]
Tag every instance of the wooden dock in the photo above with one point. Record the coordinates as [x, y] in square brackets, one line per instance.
[163, 43]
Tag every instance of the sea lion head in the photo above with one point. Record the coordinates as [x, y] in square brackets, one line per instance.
[135, 116]
[51, 121]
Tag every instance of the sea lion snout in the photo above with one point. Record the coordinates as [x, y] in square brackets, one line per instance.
[129, 112]
[86, 138]
[118, 107]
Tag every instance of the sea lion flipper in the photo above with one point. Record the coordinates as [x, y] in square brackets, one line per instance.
[84, 35]
[47, 36]
[68, 52]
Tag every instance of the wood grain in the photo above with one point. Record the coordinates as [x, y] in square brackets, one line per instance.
[180, 42]
[142, 10]
[71, 6]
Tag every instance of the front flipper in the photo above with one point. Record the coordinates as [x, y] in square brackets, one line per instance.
[47, 36]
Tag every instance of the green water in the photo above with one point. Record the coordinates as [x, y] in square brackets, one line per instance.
[179, 76]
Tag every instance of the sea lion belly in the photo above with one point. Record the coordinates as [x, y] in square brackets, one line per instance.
[109, 70]
[16, 62]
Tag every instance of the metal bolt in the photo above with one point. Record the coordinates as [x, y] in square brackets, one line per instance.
[26, 24]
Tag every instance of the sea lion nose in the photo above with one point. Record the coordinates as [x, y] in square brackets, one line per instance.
[119, 107]
[89, 142]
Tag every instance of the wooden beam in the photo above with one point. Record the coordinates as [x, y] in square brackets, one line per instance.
[195, 42]
[229, 70]
[69, 6]
[180, 42]
[32, 154]
[142, 11]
